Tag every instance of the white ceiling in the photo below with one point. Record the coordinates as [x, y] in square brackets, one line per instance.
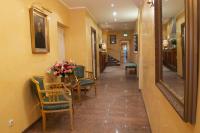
[172, 7]
[119, 26]
[101, 10]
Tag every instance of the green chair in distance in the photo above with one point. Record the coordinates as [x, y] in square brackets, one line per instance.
[85, 79]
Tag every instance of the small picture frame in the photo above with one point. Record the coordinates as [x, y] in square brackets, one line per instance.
[113, 39]
[39, 31]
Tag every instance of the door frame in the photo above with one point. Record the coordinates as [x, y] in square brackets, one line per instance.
[61, 26]
[127, 43]
[94, 51]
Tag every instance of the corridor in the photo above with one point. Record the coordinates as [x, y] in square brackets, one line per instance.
[118, 108]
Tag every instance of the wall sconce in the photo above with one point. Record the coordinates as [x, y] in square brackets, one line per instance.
[150, 2]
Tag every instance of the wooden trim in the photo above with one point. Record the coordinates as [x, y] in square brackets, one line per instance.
[61, 25]
[183, 42]
[158, 35]
[186, 111]
[191, 59]
[95, 50]
[128, 45]
[174, 101]
[29, 127]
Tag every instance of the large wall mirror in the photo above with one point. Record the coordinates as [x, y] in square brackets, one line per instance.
[177, 54]
[173, 42]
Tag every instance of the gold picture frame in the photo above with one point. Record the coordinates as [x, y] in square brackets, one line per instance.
[39, 31]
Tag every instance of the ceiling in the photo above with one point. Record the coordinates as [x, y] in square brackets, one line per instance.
[172, 7]
[102, 12]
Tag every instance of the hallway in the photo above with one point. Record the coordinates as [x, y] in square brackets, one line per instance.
[118, 108]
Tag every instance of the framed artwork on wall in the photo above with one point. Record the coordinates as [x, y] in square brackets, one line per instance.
[113, 39]
[39, 31]
[135, 43]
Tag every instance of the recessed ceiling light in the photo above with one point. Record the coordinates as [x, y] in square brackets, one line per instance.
[112, 5]
[114, 13]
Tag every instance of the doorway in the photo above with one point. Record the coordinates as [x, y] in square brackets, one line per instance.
[124, 52]
[61, 43]
[94, 51]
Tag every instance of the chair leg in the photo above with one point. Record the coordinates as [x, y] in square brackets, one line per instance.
[79, 93]
[73, 107]
[85, 90]
[136, 70]
[44, 121]
[71, 119]
[95, 87]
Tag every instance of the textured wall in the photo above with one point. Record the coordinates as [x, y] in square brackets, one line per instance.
[18, 64]
[80, 37]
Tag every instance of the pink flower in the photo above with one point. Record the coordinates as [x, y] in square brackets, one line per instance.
[70, 67]
[73, 67]
[62, 69]
[55, 73]
[67, 71]
[57, 65]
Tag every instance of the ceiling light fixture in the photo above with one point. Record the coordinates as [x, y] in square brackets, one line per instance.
[125, 34]
[150, 2]
[114, 13]
[112, 5]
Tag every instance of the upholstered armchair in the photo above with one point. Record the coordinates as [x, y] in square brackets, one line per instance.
[53, 98]
[85, 79]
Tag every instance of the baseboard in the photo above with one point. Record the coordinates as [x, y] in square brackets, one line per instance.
[146, 110]
[26, 129]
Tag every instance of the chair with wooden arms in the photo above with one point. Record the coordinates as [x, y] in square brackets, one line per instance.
[53, 98]
[85, 79]
[73, 84]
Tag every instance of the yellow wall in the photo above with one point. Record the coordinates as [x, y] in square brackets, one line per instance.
[140, 55]
[18, 64]
[105, 36]
[163, 118]
[90, 23]
[180, 19]
[80, 37]
[77, 36]
[135, 55]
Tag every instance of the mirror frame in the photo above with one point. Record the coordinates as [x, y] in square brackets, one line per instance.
[186, 111]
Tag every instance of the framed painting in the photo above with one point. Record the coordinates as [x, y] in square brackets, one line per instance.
[135, 43]
[39, 31]
[113, 39]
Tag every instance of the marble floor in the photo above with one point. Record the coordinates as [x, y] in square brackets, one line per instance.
[174, 82]
[117, 108]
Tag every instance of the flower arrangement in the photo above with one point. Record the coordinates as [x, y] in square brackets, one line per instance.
[62, 69]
